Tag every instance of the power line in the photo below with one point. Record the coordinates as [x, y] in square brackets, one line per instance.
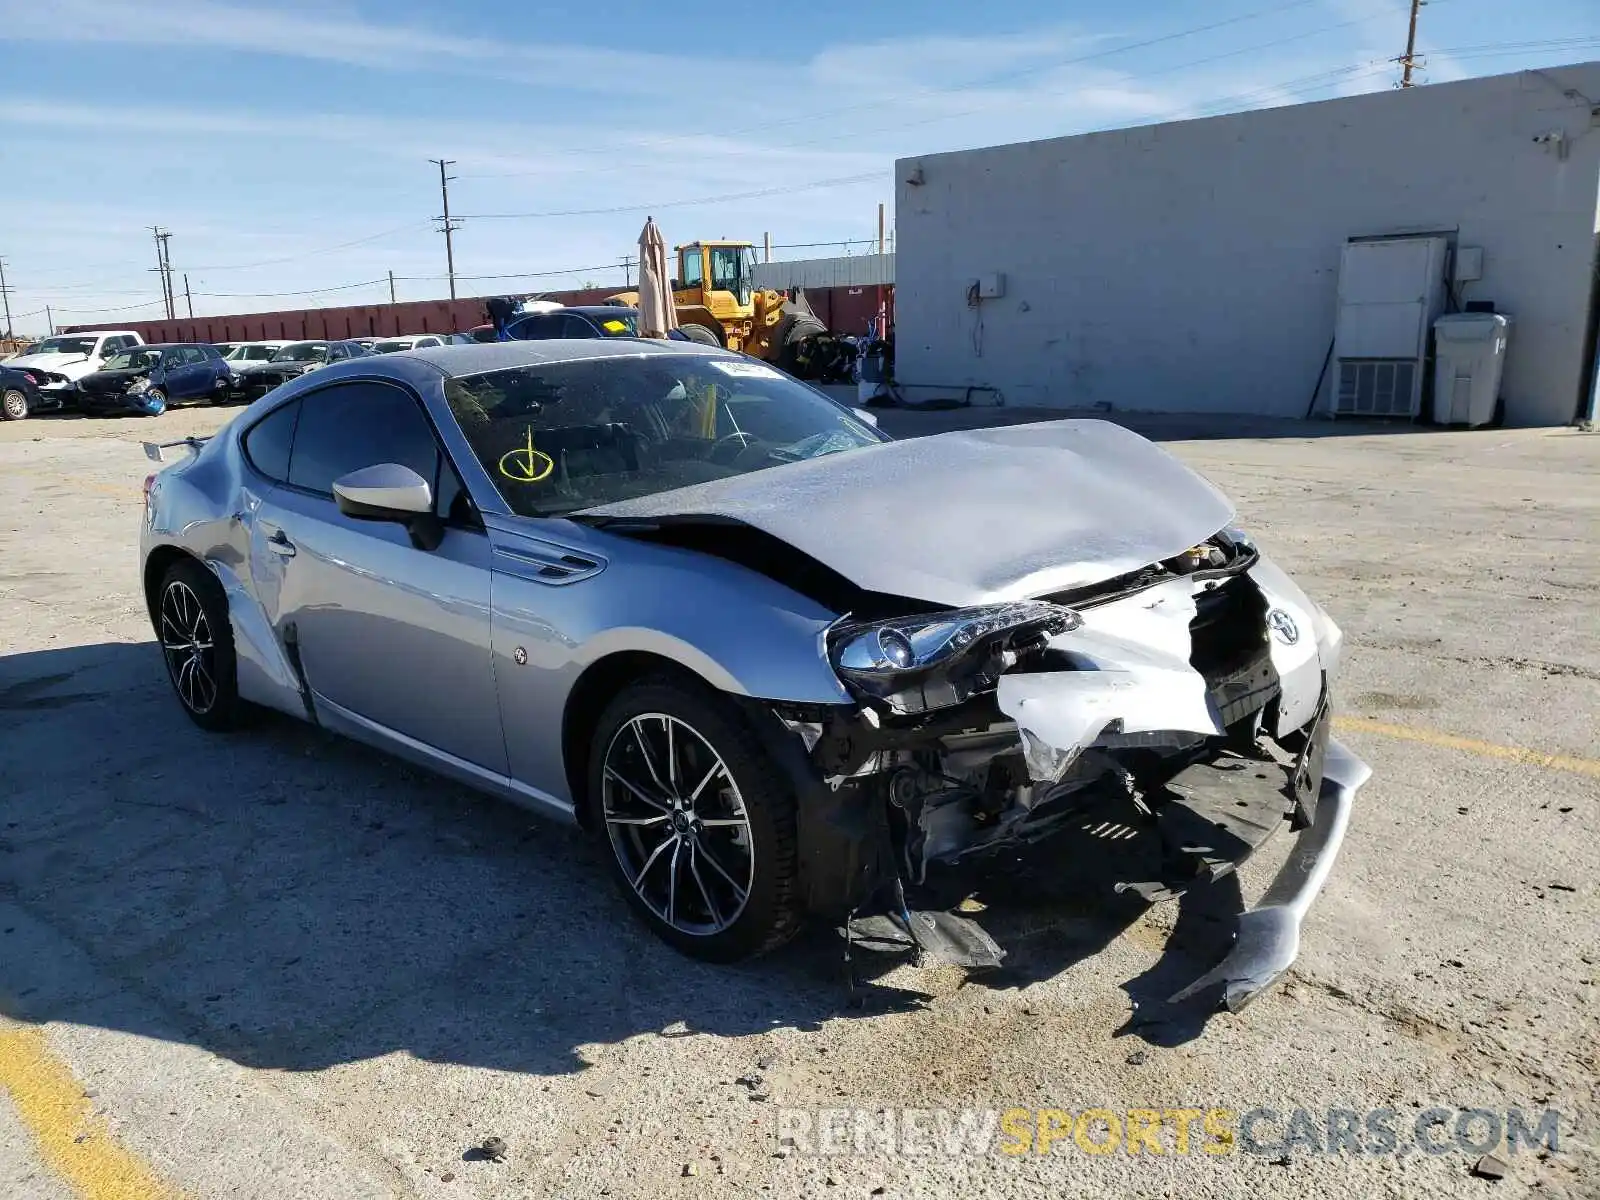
[648, 205]
[812, 115]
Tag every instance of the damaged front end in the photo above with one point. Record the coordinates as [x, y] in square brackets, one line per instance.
[1186, 701]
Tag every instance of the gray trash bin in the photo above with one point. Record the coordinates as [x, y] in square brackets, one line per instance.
[1469, 358]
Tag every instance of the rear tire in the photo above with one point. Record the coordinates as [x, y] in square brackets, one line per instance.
[701, 828]
[13, 404]
[699, 333]
[196, 640]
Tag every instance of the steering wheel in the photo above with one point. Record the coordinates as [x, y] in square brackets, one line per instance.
[738, 437]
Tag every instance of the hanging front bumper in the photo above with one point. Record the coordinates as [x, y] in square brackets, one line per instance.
[1267, 939]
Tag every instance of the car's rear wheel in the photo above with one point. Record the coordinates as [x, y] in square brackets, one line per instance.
[700, 823]
[13, 404]
[197, 643]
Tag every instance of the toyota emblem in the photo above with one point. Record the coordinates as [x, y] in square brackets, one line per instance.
[1283, 627]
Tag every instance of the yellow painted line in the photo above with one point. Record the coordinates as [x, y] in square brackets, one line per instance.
[72, 1141]
[1449, 741]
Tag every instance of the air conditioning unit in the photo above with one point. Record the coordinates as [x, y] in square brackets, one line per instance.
[1390, 291]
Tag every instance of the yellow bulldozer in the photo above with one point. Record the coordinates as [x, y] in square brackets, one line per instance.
[718, 304]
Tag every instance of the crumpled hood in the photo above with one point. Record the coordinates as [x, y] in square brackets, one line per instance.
[118, 380]
[51, 362]
[974, 516]
[274, 364]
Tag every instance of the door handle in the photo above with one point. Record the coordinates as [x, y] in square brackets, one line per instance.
[280, 544]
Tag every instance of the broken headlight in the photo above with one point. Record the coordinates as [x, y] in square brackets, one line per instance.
[913, 664]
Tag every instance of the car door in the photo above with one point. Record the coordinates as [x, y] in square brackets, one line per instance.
[392, 640]
[195, 374]
[172, 374]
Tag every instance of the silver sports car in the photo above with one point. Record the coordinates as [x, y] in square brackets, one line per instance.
[781, 663]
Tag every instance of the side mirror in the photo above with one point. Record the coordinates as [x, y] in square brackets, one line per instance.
[391, 492]
[867, 415]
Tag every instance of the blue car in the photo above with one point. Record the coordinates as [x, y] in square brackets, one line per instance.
[146, 379]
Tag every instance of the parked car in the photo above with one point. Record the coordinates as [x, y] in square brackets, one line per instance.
[20, 395]
[774, 661]
[290, 362]
[582, 321]
[146, 379]
[20, 351]
[60, 362]
[412, 341]
[241, 354]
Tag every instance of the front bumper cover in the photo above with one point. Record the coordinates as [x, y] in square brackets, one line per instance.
[1267, 938]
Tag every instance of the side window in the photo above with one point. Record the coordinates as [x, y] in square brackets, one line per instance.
[348, 426]
[210, 354]
[337, 353]
[268, 442]
[693, 269]
[574, 326]
[194, 355]
[532, 329]
[172, 359]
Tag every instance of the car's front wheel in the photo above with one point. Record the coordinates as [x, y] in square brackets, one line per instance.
[197, 643]
[699, 821]
[13, 404]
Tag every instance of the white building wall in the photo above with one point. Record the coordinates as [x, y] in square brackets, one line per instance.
[1193, 266]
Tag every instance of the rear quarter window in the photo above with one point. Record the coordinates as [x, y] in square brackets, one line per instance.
[268, 443]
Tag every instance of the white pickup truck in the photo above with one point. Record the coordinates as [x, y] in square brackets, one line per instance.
[59, 361]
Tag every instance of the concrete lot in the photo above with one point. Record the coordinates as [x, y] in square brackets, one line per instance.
[276, 964]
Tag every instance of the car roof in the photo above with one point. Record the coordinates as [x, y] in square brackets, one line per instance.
[597, 310]
[169, 346]
[475, 359]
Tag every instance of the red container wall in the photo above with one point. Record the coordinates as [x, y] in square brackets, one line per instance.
[841, 309]
[369, 320]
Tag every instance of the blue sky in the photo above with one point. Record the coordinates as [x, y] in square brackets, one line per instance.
[286, 146]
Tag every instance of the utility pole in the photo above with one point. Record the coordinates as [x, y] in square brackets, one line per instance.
[627, 270]
[49, 322]
[448, 225]
[391, 287]
[163, 268]
[5, 295]
[766, 247]
[187, 298]
[880, 228]
[1408, 60]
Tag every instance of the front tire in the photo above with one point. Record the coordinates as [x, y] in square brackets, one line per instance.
[699, 333]
[153, 402]
[699, 823]
[13, 404]
[196, 639]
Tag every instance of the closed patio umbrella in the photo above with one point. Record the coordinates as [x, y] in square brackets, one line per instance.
[657, 314]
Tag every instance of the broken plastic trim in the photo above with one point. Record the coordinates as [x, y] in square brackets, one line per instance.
[917, 663]
[1268, 936]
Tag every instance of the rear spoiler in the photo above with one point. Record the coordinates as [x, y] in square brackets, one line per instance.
[155, 451]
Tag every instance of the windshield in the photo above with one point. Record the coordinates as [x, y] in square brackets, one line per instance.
[391, 347]
[251, 353]
[556, 437]
[303, 352]
[139, 358]
[65, 345]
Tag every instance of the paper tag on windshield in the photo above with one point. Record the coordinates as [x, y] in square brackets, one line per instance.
[745, 370]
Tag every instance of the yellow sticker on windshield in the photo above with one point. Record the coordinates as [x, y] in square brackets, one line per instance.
[526, 464]
[613, 325]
